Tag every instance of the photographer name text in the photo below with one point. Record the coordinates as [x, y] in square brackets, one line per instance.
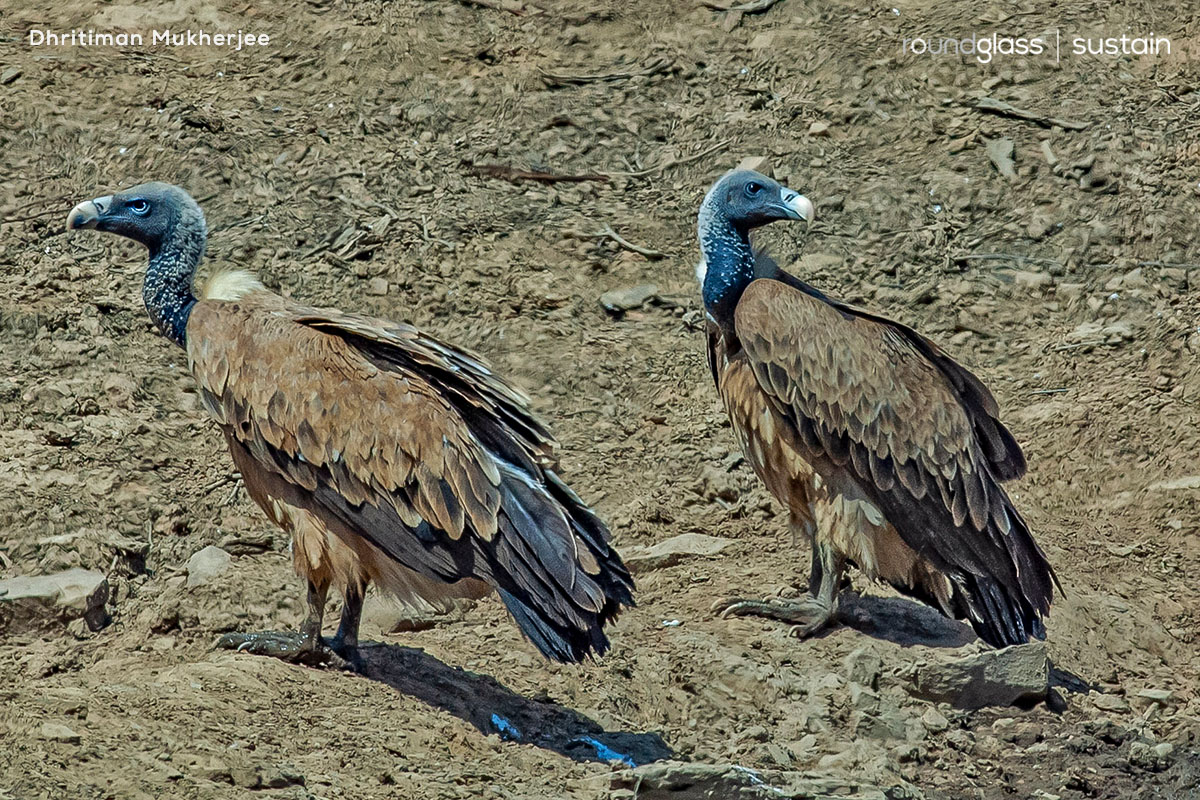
[156, 38]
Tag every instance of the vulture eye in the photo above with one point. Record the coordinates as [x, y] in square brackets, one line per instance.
[753, 188]
[139, 207]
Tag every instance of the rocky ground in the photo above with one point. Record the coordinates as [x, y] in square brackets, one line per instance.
[352, 162]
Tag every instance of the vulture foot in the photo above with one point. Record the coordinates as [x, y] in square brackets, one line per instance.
[295, 648]
[807, 614]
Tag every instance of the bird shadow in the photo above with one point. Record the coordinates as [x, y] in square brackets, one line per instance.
[901, 621]
[493, 708]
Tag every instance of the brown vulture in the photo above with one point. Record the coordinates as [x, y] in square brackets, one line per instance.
[389, 456]
[887, 453]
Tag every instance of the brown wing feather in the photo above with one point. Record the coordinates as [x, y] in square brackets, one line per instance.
[418, 447]
[903, 418]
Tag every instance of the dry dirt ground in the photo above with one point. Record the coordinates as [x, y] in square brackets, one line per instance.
[337, 162]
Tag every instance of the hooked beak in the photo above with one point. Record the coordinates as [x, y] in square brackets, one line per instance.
[87, 214]
[796, 205]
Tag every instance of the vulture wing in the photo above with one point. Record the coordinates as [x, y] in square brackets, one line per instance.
[918, 432]
[417, 447]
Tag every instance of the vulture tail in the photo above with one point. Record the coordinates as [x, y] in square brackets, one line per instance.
[554, 567]
[1008, 612]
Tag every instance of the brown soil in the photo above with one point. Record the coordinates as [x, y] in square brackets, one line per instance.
[336, 162]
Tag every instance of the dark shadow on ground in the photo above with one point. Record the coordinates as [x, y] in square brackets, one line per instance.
[901, 621]
[493, 708]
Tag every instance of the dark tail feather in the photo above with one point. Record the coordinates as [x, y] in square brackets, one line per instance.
[556, 640]
[555, 569]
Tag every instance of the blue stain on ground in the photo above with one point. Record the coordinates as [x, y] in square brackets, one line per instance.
[604, 752]
[505, 728]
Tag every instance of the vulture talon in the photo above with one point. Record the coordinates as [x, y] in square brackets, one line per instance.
[807, 615]
[295, 648]
[887, 452]
[384, 452]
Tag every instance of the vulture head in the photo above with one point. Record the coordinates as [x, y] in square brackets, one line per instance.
[737, 203]
[151, 213]
[746, 199]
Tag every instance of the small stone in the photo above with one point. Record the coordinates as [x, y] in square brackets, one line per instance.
[818, 128]
[57, 732]
[863, 666]
[377, 287]
[755, 733]
[1152, 697]
[672, 551]
[1032, 280]
[1154, 757]
[934, 721]
[1111, 703]
[246, 777]
[718, 483]
[1070, 291]
[1000, 153]
[617, 301]
[205, 565]
[9, 75]
[1163, 696]
[760, 164]
[284, 778]
[1039, 226]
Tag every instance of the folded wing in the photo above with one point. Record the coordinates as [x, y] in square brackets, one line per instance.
[919, 433]
[420, 449]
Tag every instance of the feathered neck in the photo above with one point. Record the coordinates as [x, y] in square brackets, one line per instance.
[167, 289]
[728, 259]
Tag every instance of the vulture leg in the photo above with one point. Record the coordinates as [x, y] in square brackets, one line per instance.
[345, 642]
[807, 614]
[302, 647]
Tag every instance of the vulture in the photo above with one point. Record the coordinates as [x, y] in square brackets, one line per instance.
[888, 455]
[391, 457]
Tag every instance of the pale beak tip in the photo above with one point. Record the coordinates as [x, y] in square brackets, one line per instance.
[84, 215]
[798, 206]
[804, 209]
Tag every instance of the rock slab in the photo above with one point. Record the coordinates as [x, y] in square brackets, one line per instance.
[673, 780]
[34, 603]
[1018, 674]
[206, 564]
[672, 551]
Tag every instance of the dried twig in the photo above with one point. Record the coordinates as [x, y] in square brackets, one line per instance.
[513, 174]
[670, 162]
[1051, 391]
[609, 233]
[752, 7]
[514, 8]
[39, 215]
[1047, 262]
[1169, 264]
[1009, 110]
[654, 66]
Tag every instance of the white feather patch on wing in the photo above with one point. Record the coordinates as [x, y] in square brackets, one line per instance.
[231, 285]
[701, 270]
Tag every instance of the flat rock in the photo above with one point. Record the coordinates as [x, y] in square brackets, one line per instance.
[33, 603]
[1018, 674]
[619, 300]
[1176, 484]
[673, 780]
[57, 732]
[1098, 333]
[760, 164]
[1000, 153]
[207, 564]
[674, 550]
